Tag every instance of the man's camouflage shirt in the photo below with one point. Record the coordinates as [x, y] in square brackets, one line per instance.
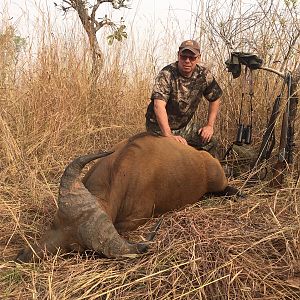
[181, 94]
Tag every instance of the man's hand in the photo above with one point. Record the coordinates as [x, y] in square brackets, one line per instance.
[162, 119]
[177, 138]
[206, 133]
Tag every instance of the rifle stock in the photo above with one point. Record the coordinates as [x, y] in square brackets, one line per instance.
[268, 140]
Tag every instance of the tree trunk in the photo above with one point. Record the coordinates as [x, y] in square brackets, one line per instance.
[89, 26]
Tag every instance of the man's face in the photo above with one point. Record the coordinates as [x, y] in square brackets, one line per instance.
[187, 62]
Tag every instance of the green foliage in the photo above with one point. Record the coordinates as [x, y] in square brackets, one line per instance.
[292, 3]
[8, 279]
[11, 276]
[118, 3]
[19, 42]
[10, 40]
[119, 34]
[11, 45]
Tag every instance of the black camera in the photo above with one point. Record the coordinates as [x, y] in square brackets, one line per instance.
[244, 134]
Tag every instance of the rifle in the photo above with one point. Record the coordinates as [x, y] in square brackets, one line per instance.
[287, 145]
[268, 141]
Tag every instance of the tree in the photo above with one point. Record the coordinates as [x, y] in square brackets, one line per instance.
[86, 11]
[11, 45]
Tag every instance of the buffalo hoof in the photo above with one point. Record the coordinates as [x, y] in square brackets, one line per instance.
[137, 249]
[24, 256]
[232, 191]
[20, 258]
[142, 248]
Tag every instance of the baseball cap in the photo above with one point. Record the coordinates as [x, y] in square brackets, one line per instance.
[190, 45]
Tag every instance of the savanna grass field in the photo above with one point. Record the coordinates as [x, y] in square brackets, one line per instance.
[51, 112]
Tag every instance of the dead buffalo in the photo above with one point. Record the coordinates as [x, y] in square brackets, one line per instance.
[144, 176]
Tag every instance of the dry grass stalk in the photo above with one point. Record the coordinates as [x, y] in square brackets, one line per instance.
[213, 250]
[244, 250]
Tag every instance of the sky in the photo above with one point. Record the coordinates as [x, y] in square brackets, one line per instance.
[151, 17]
[148, 22]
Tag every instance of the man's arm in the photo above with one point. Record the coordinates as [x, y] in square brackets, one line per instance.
[162, 120]
[207, 131]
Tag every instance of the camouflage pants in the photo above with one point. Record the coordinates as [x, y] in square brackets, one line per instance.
[190, 133]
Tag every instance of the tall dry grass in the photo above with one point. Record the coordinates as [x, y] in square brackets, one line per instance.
[219, 250]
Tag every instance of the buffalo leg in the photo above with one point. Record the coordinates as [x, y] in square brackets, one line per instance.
[230, 191]
[51, 243]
